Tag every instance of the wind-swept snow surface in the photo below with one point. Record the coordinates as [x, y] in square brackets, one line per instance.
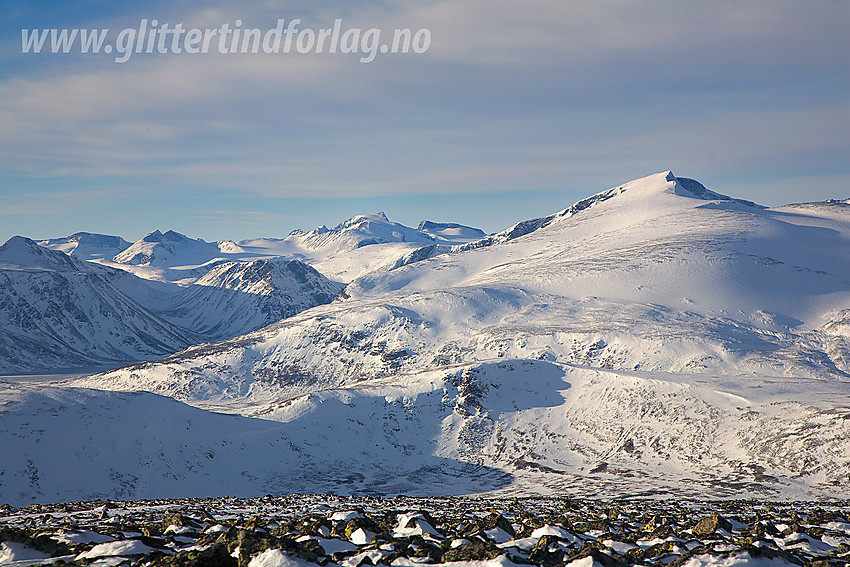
[656, 337]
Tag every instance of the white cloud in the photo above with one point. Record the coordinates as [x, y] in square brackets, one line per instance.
[508, 96]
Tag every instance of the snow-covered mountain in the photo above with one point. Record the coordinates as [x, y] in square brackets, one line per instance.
[359, 231]
[450, 232]
[61, 313]
[166, 257]
[674, 318]
[169, 249]
[58, 312]
[224, 289]
[360, 245]
[235, 298]
[88, 246]
[654, 338]
[651, 277]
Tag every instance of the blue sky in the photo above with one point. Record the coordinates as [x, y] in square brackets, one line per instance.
[515, 110]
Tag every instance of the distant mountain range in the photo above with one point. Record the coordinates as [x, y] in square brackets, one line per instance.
[171, 256]
[59, 313]
[654, 338]
[91, 300]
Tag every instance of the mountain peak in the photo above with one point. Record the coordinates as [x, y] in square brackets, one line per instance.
[363, 220]
[87, 245]
[155, 236]
[666, 183]
[157, 248]
[175, 236]
[169, 236]
[95, 239]
[23, 252]
[18, 244]
[638, 192]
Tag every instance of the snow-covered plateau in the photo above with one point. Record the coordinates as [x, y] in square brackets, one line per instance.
[654, 339]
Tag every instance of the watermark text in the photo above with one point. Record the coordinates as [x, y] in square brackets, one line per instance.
[153, 37]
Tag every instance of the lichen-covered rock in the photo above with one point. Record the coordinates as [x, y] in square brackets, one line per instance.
[180, 521]
[365, 523]
[215, 556]
[590, 549]
[252, 543]
[494, 520]
[475, 550]
[547, 552]
[710, 524]
[39, 542]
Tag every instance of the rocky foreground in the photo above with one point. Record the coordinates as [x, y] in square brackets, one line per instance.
[299, 530]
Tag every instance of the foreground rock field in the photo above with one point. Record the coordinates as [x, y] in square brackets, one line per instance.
[326, 530]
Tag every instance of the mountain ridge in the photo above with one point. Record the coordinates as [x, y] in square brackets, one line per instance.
[88, 245]
[362, 243]
[23, 252]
